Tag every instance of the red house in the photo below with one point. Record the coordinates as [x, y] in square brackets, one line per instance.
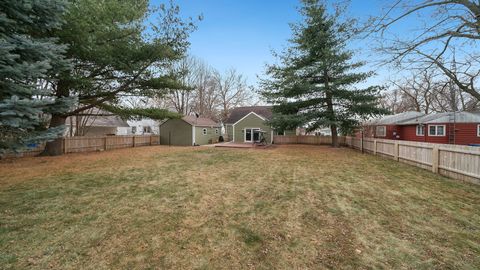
[448, 128]
[387, 127]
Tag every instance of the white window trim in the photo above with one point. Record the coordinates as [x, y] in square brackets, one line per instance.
[416, 130]
[385, 131]
[204, 131]
[478, 130]
[436, 127]
[193, 135]
[233, 125]
[245, 134]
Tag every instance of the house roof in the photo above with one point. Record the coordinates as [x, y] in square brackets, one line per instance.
[446, 117]
[102, 120]
[396, 118]
[240, 112]
[200, 121]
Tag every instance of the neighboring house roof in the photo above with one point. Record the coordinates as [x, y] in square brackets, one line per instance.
[200, 121]
[446, 117]
[197, 121]
[240, 112]
[99, 121]
[396, 118]
[143, 122]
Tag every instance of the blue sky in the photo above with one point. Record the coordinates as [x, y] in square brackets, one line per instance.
[240, 34]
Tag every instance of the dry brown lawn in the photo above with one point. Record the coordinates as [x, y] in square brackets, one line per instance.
[289, 207]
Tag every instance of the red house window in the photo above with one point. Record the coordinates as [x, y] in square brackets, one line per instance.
[420, 130]
[436, 130]
[381, 131]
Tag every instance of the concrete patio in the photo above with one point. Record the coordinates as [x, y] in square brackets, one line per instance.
[234, 145]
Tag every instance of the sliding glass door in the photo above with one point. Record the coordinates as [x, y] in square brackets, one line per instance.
[248, 135]
[252, 134]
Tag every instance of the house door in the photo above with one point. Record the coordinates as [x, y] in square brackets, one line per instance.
[256, 135]
[252, 135]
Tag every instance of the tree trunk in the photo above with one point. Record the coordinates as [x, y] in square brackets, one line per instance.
[331, 112]
[55, 147]
[334, 131]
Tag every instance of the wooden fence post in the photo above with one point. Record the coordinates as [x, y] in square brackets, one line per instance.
[151, 136]
[395, 151]
[435, 156]
[105, 143]
[375, 147]
[133, 140]
[361, 144]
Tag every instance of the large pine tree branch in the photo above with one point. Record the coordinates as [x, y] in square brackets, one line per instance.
[138, 113]
[110, 95]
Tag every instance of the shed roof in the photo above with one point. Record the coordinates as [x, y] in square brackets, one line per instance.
[396, 118]
[240, 112]
[446, 117]
[200, 121]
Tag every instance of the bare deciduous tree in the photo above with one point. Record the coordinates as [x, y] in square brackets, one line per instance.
[187, 69]
[447, 36]
[417, 92]
[208, 92]
[232, 91]
[206, 98]
[391, 101]
[427, 91]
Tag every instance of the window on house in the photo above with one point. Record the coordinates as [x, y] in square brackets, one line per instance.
[204, 131]
[420, 130]
[134, 130]
[436, 130]
[147, 129]
[381, 131]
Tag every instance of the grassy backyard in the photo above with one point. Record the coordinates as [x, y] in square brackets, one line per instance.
[205, 208]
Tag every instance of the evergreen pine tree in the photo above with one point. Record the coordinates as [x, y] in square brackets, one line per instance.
[119, 49]
[28, 56]
[314, 83]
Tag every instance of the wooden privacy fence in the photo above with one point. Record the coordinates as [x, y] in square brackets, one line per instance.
[455, 161]
[317, 140]
[92, 144]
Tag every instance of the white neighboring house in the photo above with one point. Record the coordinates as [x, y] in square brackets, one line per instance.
[144, 126]
[316, 132]
[96, 125]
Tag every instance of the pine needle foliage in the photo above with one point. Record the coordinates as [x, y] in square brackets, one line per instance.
[27, 57]
[315, 82]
